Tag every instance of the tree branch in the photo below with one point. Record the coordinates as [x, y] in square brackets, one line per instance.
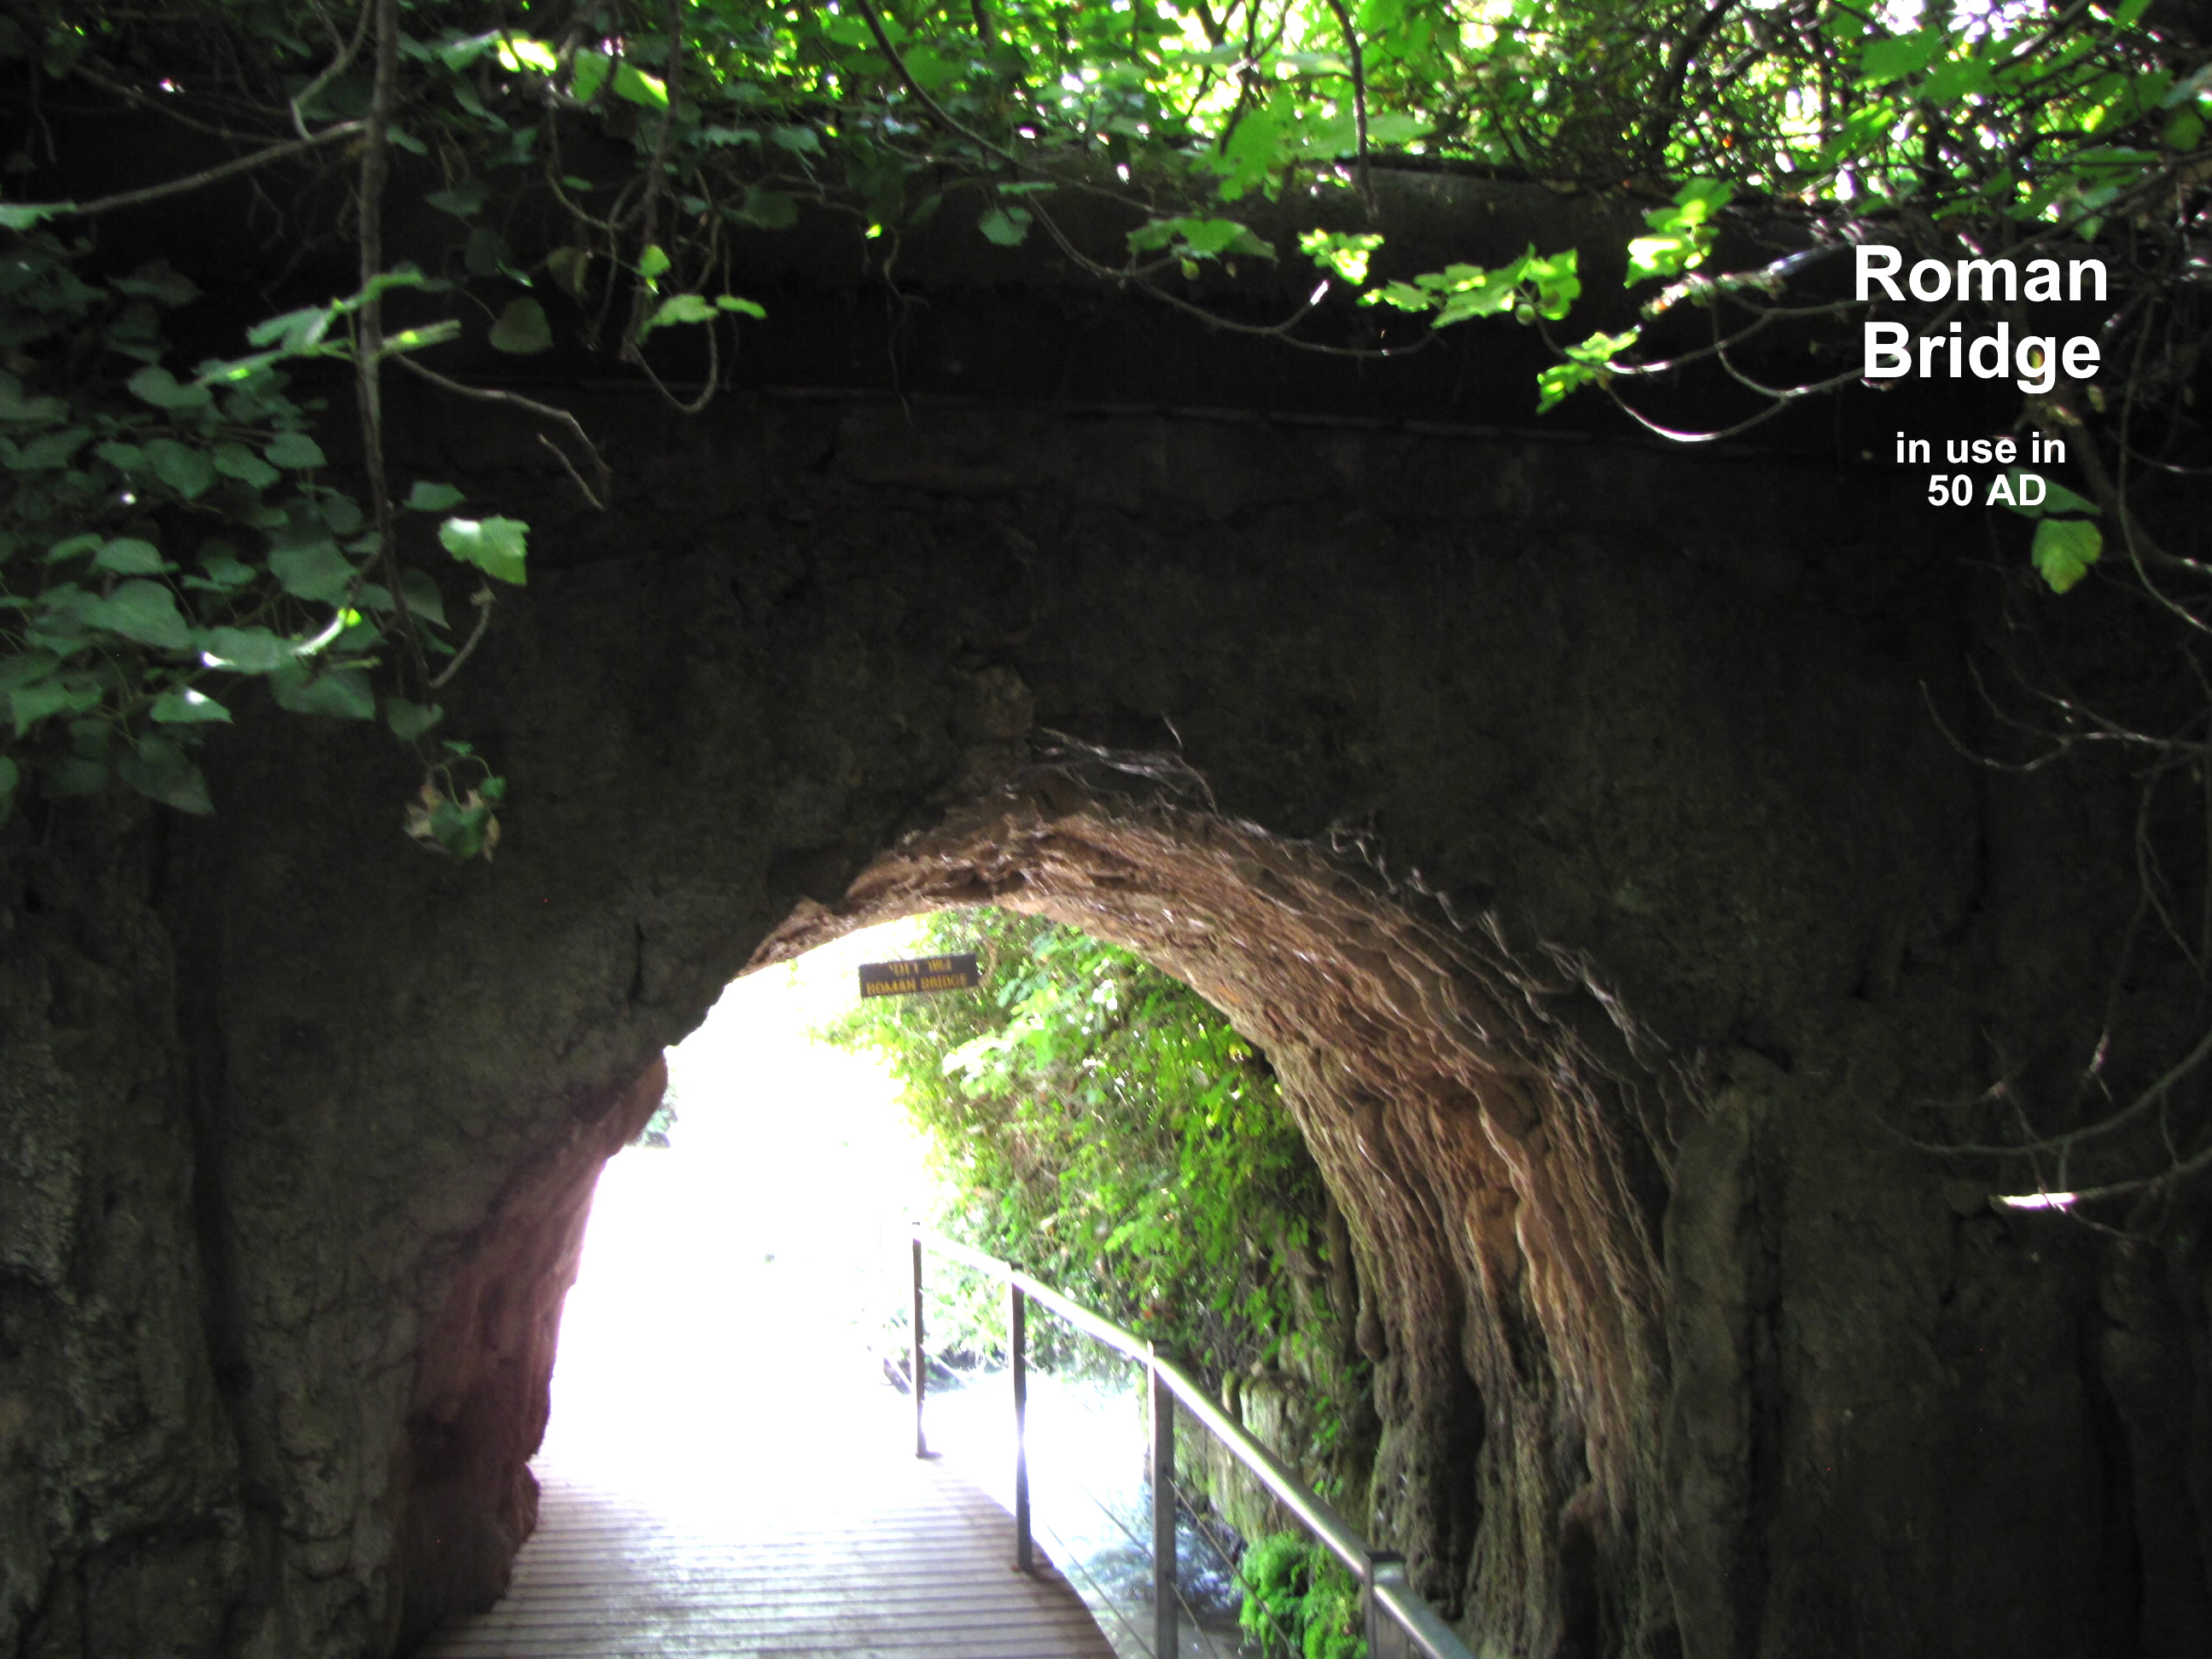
[543, 411]
[213, 175]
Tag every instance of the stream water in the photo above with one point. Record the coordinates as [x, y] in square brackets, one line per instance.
[1089, 1499]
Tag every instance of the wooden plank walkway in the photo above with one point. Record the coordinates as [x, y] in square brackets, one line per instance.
[913, 1564]
[727, 1475]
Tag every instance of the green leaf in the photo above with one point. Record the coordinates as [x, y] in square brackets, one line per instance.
[522, 329]
[2058, 498]
[495, 546]
[235, 460]
[767, 209]
[1954, 79]
[156, 385]
[742, 306]
[2064, 550]
[423, 596]
[679, 308]
[1208, 237]
[458, 52]
[652, 263]
[464, 201]
[519, 52]
[185, 706]
[248, 650]
[160, 770]
[1558, 381]
[129, 556]
[427, 497]
[49, 452]
[189, 471]
[463, 832]
[141, 610]
[1886, 60]
[340, 511]
[1558, 282]
[410, 721]
[1496, 291]
[588, 75]
[14, 406]
[294, 331]
[24, 668]
[73, 695]
[1346, 256]
[1392, 128]
[568, 266]
[159, 281]
[74, 547]
[221, 572]
[294, 449]
[639, 88]
[1005, 226]
[318, 572]
[342, 694]
[28, 216]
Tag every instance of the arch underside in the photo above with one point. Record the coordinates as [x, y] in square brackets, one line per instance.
[1481, 1116]
[1679, 1349]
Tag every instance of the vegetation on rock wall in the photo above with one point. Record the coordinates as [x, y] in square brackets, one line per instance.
[1096, 1122]
[586, 174]
[1298, 1602]
[164, 534]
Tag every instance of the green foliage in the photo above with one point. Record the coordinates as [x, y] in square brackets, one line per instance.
[162, 528]
[1299, 1601]
[2066, 543]
[1098, 1123]
[1681, 234]
[163, 538]
[1534, 285]
[1346, 256]
[2064, 550]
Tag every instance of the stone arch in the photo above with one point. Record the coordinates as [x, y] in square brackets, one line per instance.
[292, 1110]
[1496, 1163]
[1481, 1120]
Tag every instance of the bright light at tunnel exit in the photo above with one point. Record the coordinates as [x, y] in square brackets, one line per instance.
[740, 1276]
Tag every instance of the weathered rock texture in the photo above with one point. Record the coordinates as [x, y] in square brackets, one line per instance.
[1569, 822]
[1476, 1140]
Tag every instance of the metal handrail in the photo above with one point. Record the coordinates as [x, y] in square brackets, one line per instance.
[1381, 1574]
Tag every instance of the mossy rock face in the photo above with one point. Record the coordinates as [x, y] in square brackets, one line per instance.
[1566, 822]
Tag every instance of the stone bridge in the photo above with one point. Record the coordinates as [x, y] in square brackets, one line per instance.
[1588, 832]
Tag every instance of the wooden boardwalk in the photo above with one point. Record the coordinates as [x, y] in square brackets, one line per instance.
[726, 1475]
[914, 1563]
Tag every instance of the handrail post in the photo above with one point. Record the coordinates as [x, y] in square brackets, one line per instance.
[1017, 1308]
[1383, 1567]
[1165, 1642]
[918, 1367]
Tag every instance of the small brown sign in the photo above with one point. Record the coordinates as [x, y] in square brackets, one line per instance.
[902, 979]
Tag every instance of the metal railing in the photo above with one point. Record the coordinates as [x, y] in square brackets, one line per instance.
[1399, 1622]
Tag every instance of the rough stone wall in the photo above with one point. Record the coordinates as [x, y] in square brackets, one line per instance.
[1474, 1136]
[1682, 1351]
